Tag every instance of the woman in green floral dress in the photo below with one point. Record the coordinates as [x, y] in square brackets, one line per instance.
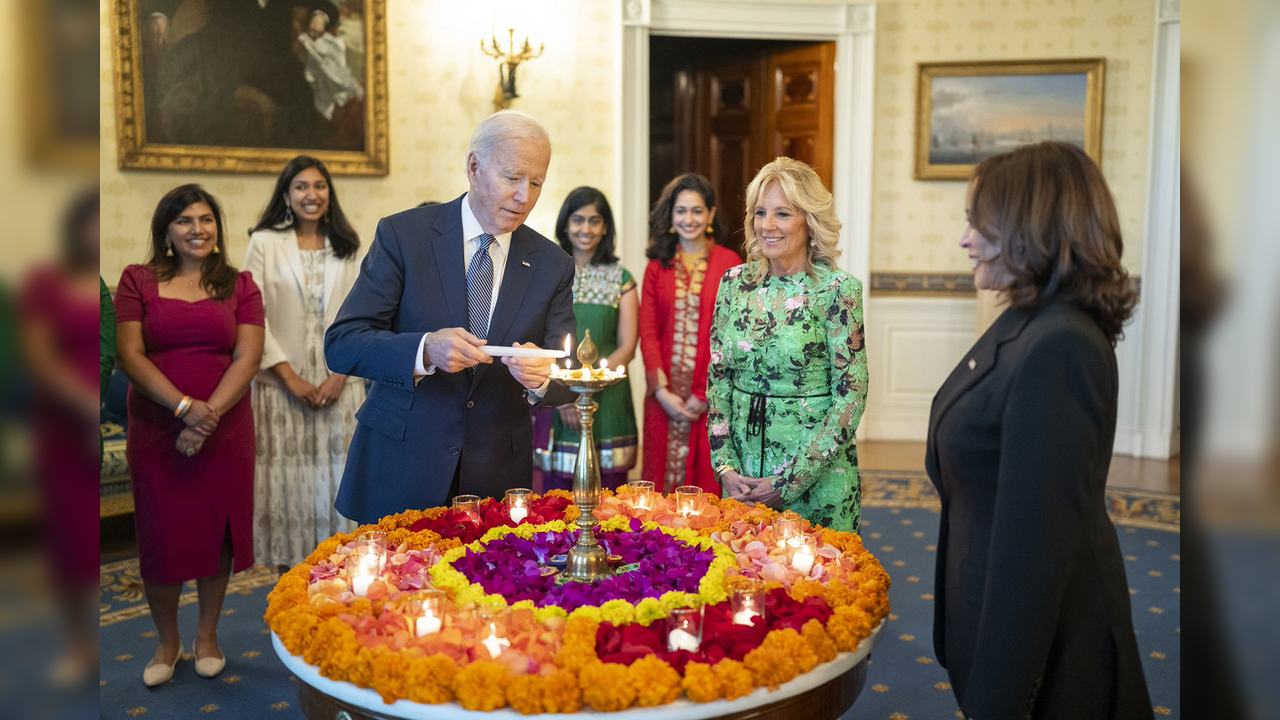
[604, 302]
[788, 376]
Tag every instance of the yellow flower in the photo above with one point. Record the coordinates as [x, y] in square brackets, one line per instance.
[546, 612]
[848, 626]
[587, 611]
[578, 646]
[481, 686]
[389, 667]
[605, 686]
[650, 609]
[618, 612]
[700, 683]
[655, 682]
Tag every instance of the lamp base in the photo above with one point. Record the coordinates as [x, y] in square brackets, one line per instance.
[586, 564]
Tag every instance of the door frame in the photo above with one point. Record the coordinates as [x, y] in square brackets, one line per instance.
[850, 25]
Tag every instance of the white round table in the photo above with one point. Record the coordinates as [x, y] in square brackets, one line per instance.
[825, 692]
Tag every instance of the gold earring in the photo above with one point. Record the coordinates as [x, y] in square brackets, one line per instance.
[168, 249]
[671, 230]
[709, 231]
[215, 249]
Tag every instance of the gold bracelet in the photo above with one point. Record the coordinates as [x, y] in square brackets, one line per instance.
[720, 471]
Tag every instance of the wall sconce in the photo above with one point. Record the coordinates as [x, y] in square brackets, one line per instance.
[508, 61]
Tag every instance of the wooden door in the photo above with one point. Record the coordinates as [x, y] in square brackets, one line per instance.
[801, 112]
[736, 113]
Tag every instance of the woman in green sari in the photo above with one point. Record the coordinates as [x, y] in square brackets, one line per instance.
[788, 376]
[604, 302]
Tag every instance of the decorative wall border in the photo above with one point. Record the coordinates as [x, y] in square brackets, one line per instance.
[945, 284]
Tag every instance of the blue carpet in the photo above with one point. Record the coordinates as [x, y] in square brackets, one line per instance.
[900, 521]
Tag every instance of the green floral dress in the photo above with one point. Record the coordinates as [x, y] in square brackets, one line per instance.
[787, 387]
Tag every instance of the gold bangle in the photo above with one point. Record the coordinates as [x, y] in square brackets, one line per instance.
[720, 471]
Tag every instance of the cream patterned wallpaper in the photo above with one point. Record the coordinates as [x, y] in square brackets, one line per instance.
[916, 225]
[441, 86]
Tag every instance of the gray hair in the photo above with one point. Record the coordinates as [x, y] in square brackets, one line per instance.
[323, 15]
[505, 125]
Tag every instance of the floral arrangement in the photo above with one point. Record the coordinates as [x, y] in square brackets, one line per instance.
[570, 645]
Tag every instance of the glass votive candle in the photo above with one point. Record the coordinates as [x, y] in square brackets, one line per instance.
[802, 552]
[787, 527]
[424, 610]
[517, 501]
[684, 629]
[492, 628]
[469, 504]
[363, 566]
[746, 600]
[687, 499]
[641, 494]
[375, 541]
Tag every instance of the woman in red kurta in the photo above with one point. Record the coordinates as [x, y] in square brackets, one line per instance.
[679, 295]
[189, 331]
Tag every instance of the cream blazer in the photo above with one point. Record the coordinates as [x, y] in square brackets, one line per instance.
[276, 264]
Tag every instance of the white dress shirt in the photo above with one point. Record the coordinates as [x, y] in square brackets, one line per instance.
[498, 249]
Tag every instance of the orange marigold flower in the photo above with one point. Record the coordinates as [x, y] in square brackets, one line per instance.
[656, 682]
[323, 551]
[700, 683]
[605, 686]
[482, 686]
[360, 673]
[578, 646]
[782, 656]
[295, 628]
[389, 667]
[429, 680]
[823, 646]
[333, 647]
[735, 679]
[524, 693]
[848, 626]
[561, 692]
[804, 588]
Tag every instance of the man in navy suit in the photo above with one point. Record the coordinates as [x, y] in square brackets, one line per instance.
[439, 282]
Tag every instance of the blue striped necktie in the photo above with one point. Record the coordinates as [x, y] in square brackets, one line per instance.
[480, 288]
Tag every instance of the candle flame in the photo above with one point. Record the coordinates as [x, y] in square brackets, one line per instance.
[567, 345]
[604, 364]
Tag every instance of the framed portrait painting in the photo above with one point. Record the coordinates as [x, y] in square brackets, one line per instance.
[969, 111]
[245, 85]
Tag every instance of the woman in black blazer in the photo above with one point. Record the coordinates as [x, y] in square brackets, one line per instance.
[1031, 617]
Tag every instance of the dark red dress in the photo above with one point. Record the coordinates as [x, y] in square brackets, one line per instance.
[184, 505]
[66, 451]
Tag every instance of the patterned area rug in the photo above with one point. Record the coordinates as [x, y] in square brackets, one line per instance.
[900, 515]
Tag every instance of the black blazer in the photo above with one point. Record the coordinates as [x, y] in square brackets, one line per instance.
[1031, 609]
[410, 438]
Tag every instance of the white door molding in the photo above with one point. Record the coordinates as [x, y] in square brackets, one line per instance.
[850, 25]
[1153, 354]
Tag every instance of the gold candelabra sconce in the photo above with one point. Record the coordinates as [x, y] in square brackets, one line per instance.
[508, 61]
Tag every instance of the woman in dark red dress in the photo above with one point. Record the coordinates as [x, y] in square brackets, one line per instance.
[679, 296]
[189, 336]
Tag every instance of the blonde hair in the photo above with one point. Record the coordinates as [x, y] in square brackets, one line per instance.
[803, 189]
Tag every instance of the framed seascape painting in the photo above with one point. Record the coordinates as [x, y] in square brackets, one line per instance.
[245, 85]
[967, 112]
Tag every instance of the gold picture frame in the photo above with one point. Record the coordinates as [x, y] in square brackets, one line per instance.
[365, 125]
[966, 111]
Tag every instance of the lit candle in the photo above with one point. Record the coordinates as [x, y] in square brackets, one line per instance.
[687, 499]
[428, 624]
[517, 501]
[802, 562]
[360, 585]
[495, 645]
[682, 640]
[746, 600]
[787, 528]
[743, 617]
[641, 490]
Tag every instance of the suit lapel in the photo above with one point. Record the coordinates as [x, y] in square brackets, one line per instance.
[447, 246]
[293, 258]
[977, 363]
[517, 273]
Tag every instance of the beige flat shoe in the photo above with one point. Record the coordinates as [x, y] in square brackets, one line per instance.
[209, 667]
[158, 673]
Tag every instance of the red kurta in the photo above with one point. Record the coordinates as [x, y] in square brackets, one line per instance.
[657, 339]
[184, 505]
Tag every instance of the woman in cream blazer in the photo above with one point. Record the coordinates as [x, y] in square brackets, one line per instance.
[305, 257]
